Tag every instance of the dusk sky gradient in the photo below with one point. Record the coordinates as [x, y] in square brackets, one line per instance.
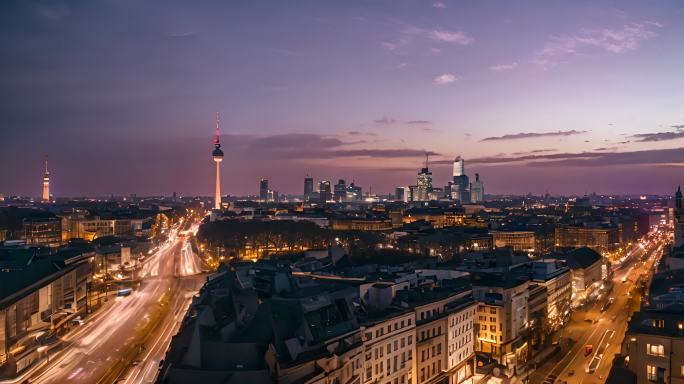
[557, 96]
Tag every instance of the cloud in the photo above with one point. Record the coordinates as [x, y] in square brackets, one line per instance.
[605, 149]
[439, 5]
[659, 136]
[457, 37]
[411, 35]
[381, 153]
[419, 122]
[532, 135]
[293, 141]
[503, 67]
[359, 133]
[614, 41]
[533, 152]
[671, 156]
[445, 78]
[384, 121]
[680, 126]
[310, 146]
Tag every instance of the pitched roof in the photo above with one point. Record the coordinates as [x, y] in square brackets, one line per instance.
[581, 258]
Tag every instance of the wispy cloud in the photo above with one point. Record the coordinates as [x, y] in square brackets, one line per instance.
[410, 35]
[592, 159]
[419, 122]
[384, 121]
[532, 135]
[439, 5]
[503, 67]
[457, 37]
[534, 151]
[660, 136]
[359, 133]
[615, 41]
[605, 149]
[444, 79]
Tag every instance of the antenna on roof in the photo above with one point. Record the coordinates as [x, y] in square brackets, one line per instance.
[216, 131]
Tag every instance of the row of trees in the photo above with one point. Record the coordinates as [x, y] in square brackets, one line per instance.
[263, 238]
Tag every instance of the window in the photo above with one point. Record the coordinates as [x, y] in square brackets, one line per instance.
[681, 370]
[410, 340]
[655, 350]
[389, 348]
[492, 311]
[409, 321]
[651, 372]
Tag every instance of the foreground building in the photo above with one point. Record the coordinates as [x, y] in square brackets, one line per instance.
[502, 318]
[40, 296]
[260, 323]
[654, 345]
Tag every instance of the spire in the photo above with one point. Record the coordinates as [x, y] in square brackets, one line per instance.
[217, 142]
[46, 165]
[427, 159]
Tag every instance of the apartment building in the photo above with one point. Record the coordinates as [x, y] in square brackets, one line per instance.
[40, 295]
[388, 344]
[653, 347]
[501, 318]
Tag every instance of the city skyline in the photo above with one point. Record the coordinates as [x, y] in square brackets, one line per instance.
[350, 91]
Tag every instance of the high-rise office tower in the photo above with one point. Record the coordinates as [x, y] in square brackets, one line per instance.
[308, 187]
[46, 182]
[263, 190]
[217, 155]
[402, 194]
[424, 183]
[459, 166]
[477, 190]
[461, 184]
[340, 191]
[354, 191]
[324, 191]
[679, 219]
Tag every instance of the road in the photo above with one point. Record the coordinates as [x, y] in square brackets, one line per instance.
[90, 351]
[603, 330]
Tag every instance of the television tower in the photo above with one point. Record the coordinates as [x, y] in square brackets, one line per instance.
[46, 182]
[217, 154]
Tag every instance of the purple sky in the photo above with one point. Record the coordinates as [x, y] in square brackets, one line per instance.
[565, 97]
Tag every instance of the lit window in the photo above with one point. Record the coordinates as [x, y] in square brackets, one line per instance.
[655, 350]
[651, 372]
